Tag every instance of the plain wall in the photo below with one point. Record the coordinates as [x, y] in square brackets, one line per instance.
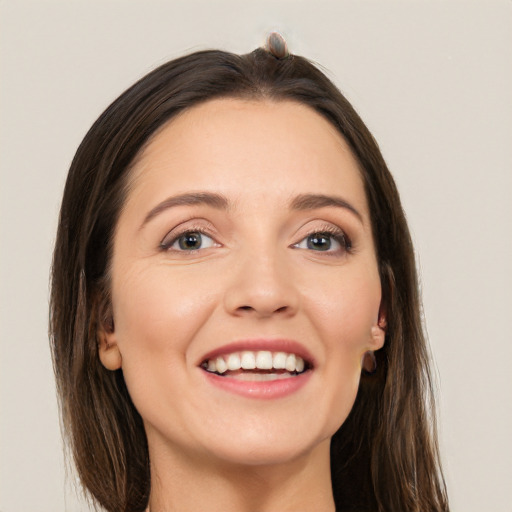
[433, 81]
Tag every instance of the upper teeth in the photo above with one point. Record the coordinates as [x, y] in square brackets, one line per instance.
[260, 360]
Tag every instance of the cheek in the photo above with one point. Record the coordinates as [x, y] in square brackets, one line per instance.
[345, 311]
[156, 314]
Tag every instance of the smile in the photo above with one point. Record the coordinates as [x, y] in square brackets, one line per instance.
[259, 368]
[261, 365]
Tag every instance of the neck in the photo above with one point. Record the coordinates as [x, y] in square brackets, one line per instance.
[185, 482]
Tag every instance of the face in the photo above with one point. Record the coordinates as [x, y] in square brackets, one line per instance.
[244, 283]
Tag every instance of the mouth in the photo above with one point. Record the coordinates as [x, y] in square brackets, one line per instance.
[257, 366]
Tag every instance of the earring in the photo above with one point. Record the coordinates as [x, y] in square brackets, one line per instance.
[369, 363]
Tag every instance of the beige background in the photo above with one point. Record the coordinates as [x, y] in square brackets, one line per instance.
[433, 80]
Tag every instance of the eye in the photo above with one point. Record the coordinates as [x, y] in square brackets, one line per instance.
[325, 241]
[188, 241]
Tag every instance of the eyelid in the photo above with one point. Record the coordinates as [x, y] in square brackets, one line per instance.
[332, 230]
[203, 236]
[192, 225]
[205, 228]
[325, 227]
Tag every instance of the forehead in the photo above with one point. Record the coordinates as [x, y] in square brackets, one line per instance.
[258, 148]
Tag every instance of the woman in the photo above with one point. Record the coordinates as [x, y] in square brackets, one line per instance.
[235, 319]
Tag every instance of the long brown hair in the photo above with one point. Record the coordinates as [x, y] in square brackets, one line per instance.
[385, 456]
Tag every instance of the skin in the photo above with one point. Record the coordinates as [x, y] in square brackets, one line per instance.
[254, 277]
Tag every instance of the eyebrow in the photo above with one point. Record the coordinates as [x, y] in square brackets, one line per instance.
[215, 200]
[218, 201]
[313, 201]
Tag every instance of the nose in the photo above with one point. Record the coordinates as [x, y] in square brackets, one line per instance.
[262, 285]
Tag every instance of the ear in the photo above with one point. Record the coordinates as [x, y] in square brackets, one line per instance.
[108, 349]
[378, 337]
[379, 331]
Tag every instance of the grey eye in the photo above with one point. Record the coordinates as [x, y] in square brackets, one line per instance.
[319, 242]
[190, 241]
[324, 242]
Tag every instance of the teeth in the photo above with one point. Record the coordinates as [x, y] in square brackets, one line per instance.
[260, 360]
[234, 362]
[290, 362]
[279, 361]
[248, 361]
[264, 360]
[221, 365]
[258, 377]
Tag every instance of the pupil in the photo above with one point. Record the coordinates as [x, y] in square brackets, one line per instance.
[190, 241]
[319, 242]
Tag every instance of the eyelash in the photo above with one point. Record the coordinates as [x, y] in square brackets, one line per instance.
[332, 232]
[329, 231]
[167, 245]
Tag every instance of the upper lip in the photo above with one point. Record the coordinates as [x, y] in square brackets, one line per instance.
[257, 344]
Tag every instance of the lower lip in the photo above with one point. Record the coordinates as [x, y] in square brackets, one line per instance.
[260, 389]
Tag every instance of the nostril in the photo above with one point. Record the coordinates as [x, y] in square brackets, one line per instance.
[281, 309]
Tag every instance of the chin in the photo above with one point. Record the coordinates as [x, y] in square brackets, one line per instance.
[265, 455]
[262, 445]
